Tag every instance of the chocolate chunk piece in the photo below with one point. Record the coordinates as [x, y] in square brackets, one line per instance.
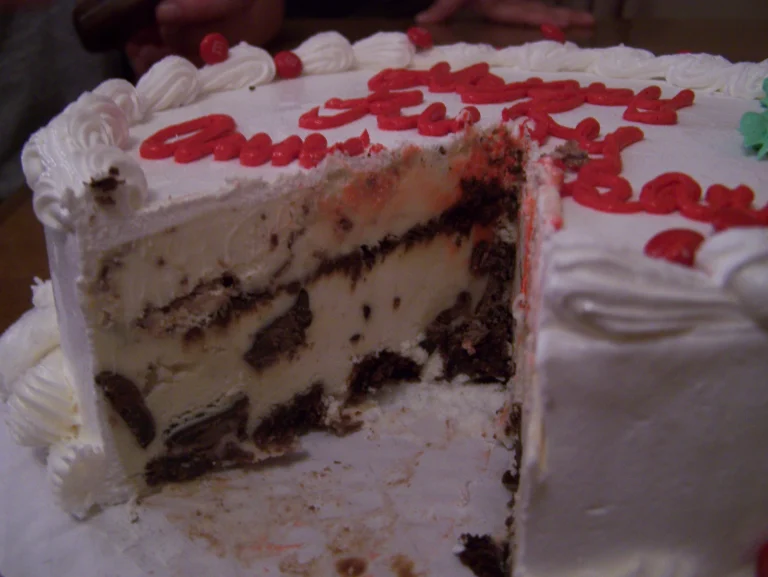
[303, 414]
[283, 337]
[483, 556]
[378, 370]
[127, 401]
[103, 188]
[351, 567]
[515, 420]
[571, 154]
[191, 465]
[477, 343]
[207, 432]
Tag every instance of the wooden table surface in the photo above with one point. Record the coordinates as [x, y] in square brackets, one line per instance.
[22, 246]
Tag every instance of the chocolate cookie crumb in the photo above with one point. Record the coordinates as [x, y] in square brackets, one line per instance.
[571, 154]
[281, 338]
[483, 556]
[514, 420]
[377, 370]
[304, 413]
[103, 188]
[351, 567]
[126, 400]
[344, 225]
[189, 466]
[274, 240]
[510, 480]
[396, 303]
[355, 338]
[366, 312]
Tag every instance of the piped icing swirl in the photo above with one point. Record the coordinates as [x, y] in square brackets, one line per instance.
[620, 294]
[384, 50]
[737, 261]
[246, 66]
[326, 53]
[64, 194]
[95, 120]
[125, 95]
[170, 83]
[699, 71]
[29, 339]
[42, 408]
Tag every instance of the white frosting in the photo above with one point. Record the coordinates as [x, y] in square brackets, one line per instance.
[42, 408]
[326, 53]
[544, 56]
[384, 50]
[170, 83]
[737, 261]
[64, 193]
[246, 66]
[459, 55]
[81, 480]
[29, 339]
[625, 62]
[746, 80]
[125, 95]
[623, 294]
[700, 71]
[94, 120]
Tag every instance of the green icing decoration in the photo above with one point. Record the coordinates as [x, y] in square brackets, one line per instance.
[754, 127]
[764, 101]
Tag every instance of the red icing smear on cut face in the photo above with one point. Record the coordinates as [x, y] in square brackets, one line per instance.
[675, 245]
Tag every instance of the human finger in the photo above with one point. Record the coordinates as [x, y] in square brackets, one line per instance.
[182, 12]
[439, 11]
[533, 13]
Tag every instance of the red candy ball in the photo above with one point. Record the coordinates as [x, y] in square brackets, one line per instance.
[288, 64]
[678, 245]
[553, 32]
[214, 48]
[420, 37]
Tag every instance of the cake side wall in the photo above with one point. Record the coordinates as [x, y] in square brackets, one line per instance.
[645, 421]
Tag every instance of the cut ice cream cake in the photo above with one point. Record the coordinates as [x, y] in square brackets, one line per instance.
[237, 260]
[216, 339]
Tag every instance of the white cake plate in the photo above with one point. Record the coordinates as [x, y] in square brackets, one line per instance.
[390, 500]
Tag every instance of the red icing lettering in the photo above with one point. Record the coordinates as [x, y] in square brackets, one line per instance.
[200, 134]
[257, 151]
[432, 121]
[228, 147]
[313, 150]
[313, 121]
[285, 152]
[664, 194]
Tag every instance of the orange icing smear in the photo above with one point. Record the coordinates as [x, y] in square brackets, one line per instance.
[429, 182]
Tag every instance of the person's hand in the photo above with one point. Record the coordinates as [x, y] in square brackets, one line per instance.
[182, 24]
[508, 12]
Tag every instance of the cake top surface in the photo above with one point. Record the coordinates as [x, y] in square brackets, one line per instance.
[107, 129]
